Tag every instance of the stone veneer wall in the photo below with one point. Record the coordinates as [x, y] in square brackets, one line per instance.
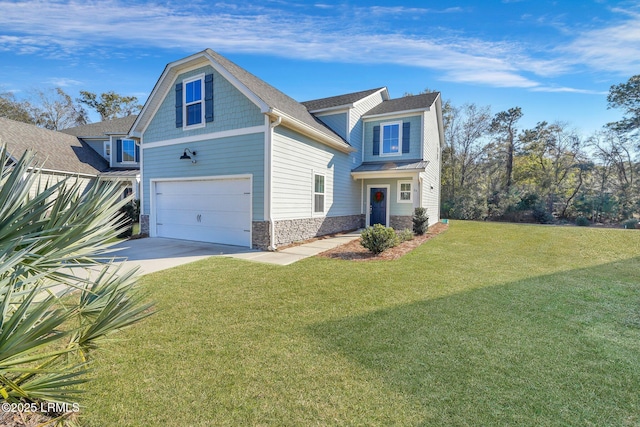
[144, 225]
[260, 235]
[400, 222]
[288, 231]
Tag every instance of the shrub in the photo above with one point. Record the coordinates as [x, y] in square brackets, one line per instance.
[420, 221]
[53, 243]
[378, 238]
[582, 221]
[405, 235]
[541, 215]
[630, 224]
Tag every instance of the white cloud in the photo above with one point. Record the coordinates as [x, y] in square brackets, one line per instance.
[68, 29]
[63, 82]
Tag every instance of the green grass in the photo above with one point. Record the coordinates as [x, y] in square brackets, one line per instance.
[487, 324]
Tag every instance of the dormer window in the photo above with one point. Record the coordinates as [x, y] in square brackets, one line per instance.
[194, 102]
[391, 140]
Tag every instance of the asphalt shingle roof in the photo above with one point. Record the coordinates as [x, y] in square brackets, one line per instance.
[405, 103]
[54, 150]
[118, 126]
[273, 97]
[339, 100]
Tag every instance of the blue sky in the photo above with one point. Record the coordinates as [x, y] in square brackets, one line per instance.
[554, 59]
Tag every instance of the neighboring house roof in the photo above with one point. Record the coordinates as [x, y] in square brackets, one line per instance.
[405, 165]
[270, 100]
[119, 126]
[406, 103]
[55, 151]
[338, 101]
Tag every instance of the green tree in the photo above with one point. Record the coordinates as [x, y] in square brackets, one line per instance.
[503, 126]
[51, 244]
[110, 105]
[56, 110]
[13, 109]
[627, 97]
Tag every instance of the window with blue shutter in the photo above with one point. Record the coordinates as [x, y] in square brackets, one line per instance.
[119, 151]
[406, 141]
[194, 101]
[391, 139]
[208, 97]
[179, 105]
[376, 140]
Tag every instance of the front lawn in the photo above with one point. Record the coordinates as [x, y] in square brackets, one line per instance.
[486, 324]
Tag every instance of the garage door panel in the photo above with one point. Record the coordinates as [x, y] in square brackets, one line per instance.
[215, 210]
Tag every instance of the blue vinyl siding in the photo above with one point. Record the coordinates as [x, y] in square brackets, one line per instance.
[295, 159]
[235, 155]
[337, 122]
[415, 139]
[232, 110]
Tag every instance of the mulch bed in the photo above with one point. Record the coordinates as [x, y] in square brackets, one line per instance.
[354, 251]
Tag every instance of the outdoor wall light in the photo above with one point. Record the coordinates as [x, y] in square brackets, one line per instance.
[186, 156]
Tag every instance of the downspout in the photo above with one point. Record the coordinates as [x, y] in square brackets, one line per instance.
[272, 227]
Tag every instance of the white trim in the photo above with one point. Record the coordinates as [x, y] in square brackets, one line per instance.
[205, 136]
[399, 199]
[315, 173]
[185, 82]
[383, 92]
[381, 153]
[331, 110]
[368, 208]
[395, 114]
[152, 207]
[59, 172]
[104, 150]
[385, 174]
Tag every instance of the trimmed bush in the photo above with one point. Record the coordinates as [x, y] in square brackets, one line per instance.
[378, 238]
[420, 221]
[582, 221]
[405, 235]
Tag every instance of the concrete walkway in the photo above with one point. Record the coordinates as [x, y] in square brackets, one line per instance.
[155, 253]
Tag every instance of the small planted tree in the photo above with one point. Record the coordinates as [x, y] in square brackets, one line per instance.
[378, 238]
[420, 221]
[52, 244]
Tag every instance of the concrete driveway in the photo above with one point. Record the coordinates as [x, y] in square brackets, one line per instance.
[155, 254]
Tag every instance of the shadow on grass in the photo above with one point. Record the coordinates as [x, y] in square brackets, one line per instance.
[560, 349]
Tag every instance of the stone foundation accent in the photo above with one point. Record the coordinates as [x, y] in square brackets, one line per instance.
[400, 222]
[288, 231]
[144, 225]
[260, 235]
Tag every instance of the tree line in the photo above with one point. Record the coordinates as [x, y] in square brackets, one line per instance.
[492, 169]
[54, 109]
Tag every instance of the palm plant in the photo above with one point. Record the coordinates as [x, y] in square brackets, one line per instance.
[52, 244]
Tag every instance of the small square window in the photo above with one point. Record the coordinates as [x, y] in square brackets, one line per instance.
[405, 193]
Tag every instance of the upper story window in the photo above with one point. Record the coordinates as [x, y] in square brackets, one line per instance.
[193, 97]
[107, 149]
[391, 140]
[194, 102]
[128, 151]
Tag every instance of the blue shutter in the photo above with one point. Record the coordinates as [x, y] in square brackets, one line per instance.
[406, 132]
[376, 140]
[179, 105]
[119, 150]
[137, 159]
[208, 98]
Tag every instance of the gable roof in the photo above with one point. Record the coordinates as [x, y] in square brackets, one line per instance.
[119, 126]
[406, 103]
[270, 100]
[55, 151]
[340, 100]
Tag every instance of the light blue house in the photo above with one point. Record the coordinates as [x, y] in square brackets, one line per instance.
[227, 158]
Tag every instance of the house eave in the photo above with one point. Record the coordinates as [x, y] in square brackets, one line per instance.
[298, 126]
[395, 113]
[387, 174]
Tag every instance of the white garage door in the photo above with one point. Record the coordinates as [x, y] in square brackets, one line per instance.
[212, 210]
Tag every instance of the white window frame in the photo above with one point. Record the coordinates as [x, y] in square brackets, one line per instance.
[134, 150]
[382, 126]
[400, 191]
[314, 194]
[106, 149]
[201, 102]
